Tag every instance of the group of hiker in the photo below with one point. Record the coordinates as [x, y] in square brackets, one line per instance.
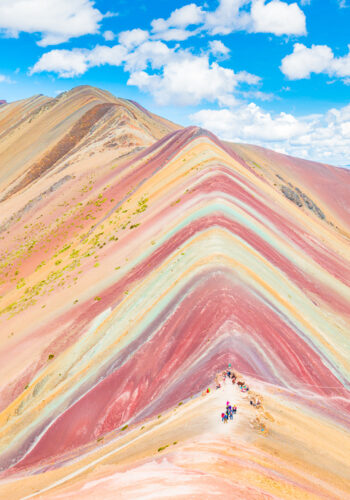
[254, 399]
[230, 411]
[231, 376]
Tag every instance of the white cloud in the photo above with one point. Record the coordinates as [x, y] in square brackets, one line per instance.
[250, 122]
[72, 63]
[108, 35]
[257, 94]
[341, 66]
[318, 59]
[153, 53]
[5, 79]
[245, 77]
[67, 63]
[174, 28]
[140, 49]
[56, 21]
[188, 15]
[101, 54]
[133, 38]
[59, 21]
[170, 75]
[303, 61]
[187, 80]
[185, 16]
[278, 18]
[228, 17]
[174, 34]
[217, 48]
[257, 16]
[324, 137]
[75, 62]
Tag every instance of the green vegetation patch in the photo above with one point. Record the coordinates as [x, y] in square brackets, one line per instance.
[163, 447]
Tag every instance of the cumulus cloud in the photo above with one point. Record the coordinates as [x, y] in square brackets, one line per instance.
[228, 17]
[72, 63]
[324, 137]
[101, 54]
[170, 75]
[59, 21]
[189, 79]
[132, 38]
[278, 18]
[67, 63]
[174, 34]
[180, 18]
[153, 53]
[174, 28]
[217, 48]
[75, 62]
[257, 94]
[138, 48]
[5, 79]
[56, 21]
[250, 122]
[245, 77]
[318, 59]
[255, 16]
[108, 35]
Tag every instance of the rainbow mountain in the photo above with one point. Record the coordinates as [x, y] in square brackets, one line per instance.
[138, 260]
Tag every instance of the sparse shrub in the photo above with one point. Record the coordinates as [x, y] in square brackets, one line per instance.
[163, 447]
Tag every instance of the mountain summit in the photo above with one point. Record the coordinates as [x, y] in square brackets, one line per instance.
[142, 263]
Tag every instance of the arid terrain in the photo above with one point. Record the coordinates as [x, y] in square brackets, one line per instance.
[138, 259]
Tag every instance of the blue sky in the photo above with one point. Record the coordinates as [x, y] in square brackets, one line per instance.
[268, 72]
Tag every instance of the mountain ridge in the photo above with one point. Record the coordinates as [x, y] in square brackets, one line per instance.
[134, 267]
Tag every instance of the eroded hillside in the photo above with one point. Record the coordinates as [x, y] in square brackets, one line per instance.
[138, 259]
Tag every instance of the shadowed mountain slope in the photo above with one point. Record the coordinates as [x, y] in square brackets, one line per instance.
[40, 133]
[138, 259]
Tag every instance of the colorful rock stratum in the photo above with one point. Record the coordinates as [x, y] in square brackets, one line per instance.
[139, 259]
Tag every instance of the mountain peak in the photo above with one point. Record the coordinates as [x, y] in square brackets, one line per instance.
[151, 277]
